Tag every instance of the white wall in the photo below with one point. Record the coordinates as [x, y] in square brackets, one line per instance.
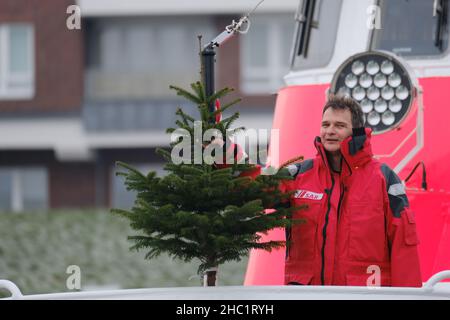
[97, 8]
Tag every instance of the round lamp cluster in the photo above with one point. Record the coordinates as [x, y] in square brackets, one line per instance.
[380, 84]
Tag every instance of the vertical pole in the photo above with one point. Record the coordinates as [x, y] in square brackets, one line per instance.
[208, 59]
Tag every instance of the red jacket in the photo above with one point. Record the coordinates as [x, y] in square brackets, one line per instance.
[356, 222]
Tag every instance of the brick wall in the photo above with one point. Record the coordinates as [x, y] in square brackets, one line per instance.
[58, 56]
[72, 185]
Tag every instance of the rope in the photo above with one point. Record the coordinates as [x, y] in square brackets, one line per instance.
[237, 26]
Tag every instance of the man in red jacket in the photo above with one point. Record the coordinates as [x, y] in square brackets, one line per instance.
[359, 229]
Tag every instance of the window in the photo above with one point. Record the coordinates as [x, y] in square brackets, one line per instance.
[133, 58]
[16, 61]
[315, 37]
[23, 189]
[121, 197]
[265, 53]
[413, 27]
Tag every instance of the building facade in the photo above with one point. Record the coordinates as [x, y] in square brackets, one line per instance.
[74, 99]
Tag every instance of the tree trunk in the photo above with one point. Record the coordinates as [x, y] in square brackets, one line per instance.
[210, 277]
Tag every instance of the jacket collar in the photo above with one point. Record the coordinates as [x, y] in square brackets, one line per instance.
[356, 150]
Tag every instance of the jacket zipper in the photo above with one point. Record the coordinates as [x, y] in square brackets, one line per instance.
[342, 190]
[327, 215]
[341, 197]
[288, 239]
[324, 230]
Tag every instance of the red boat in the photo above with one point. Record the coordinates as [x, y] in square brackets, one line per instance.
[394, 58]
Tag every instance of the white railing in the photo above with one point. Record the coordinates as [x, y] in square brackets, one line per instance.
[12, 288]
[432, 289]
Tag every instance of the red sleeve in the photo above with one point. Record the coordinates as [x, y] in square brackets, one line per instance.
[403, 240]
[252, 173]
[236, 151]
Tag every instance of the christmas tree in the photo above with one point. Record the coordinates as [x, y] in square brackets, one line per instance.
[204, 208]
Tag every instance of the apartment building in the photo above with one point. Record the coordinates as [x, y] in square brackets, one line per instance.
[76, 98]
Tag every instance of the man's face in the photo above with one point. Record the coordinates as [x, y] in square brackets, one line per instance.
[336, 127]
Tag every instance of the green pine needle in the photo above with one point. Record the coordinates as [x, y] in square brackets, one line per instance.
[198, 211]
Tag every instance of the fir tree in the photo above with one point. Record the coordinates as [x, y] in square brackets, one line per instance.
[202, 210]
